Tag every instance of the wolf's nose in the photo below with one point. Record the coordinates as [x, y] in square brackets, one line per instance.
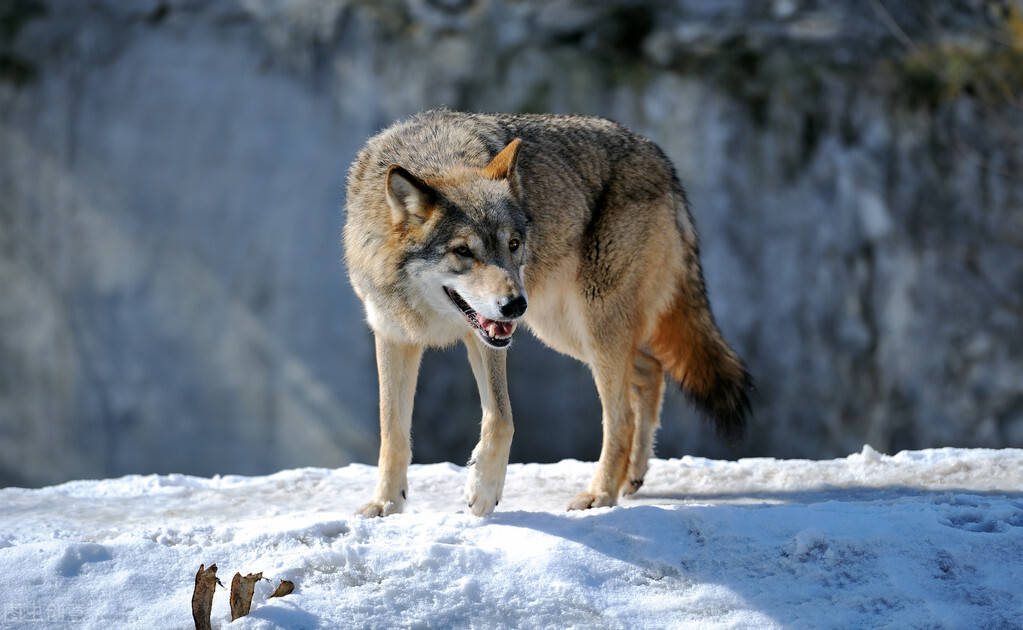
[514, 307]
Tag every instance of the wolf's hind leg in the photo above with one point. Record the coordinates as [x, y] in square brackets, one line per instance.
[611, 371]
[397, 369]
[490, 457]
[646, 395]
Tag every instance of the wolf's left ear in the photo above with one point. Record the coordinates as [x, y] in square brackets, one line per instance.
[503, 164]
[410, 199]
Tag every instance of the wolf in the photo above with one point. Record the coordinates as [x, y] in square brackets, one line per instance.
[462, 226]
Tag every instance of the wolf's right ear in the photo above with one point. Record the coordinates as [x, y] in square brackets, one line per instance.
[503, 166]
[410, 199]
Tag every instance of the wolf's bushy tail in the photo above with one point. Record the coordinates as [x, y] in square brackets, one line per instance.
[692, 351]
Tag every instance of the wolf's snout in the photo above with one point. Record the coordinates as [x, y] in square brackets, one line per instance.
[514, 307]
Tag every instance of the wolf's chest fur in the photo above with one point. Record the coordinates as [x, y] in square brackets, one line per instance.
[555, 309]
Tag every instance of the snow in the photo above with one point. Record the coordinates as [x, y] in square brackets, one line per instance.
[924, 539]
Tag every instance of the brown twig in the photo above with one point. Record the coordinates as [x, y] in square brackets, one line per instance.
[202, 597]
[241, 593]
[284, 588]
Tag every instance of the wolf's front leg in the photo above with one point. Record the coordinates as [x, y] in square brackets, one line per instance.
[397, 369]
[490, 457]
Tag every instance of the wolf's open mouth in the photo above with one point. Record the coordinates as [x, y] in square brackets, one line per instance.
[494, 332]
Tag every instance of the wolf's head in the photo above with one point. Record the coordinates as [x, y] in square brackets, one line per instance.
[465, 235]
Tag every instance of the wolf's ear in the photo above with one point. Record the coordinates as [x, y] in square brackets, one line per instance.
[503, 164]
[410, 199]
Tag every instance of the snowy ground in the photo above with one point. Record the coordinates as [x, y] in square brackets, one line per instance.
[925, 539]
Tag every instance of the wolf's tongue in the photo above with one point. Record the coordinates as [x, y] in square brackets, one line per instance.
[493, 328]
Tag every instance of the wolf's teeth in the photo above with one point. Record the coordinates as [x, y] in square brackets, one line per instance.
[492, 329]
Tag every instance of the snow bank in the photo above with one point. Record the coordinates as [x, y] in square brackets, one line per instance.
[921, 539]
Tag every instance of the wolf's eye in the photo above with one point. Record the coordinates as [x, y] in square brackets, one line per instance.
[513, 244]
[464, 251]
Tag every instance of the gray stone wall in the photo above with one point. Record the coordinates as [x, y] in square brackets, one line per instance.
[171, 197]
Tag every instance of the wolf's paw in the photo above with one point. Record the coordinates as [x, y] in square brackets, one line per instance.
[380, 508]
[637, 473]
[482, 494]
[587, 500]
[632, 486]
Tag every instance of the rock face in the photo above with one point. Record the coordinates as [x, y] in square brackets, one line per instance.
[171, 198]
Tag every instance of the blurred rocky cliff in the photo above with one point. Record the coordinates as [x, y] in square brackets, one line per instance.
[171, 195]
